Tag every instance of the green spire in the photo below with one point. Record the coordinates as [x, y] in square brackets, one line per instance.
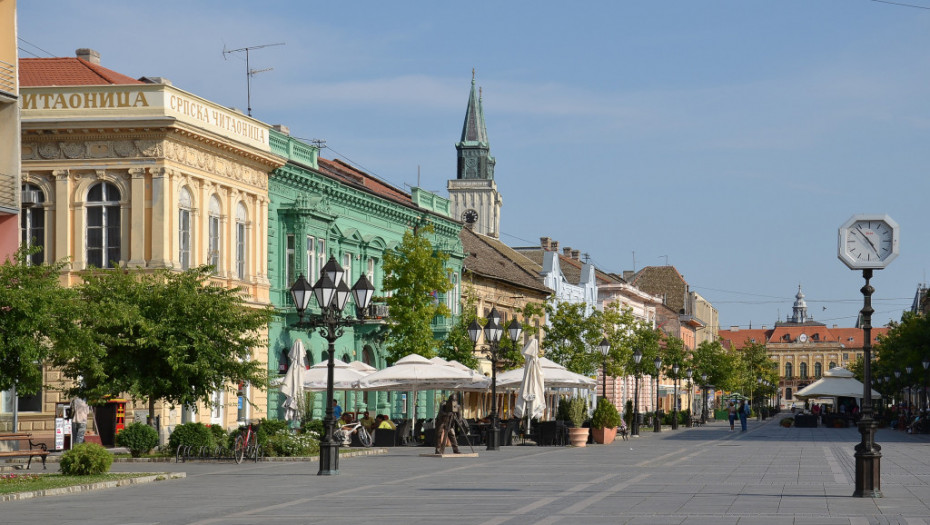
[474, 152]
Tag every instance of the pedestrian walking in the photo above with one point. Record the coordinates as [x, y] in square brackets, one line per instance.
[743, 415]
[79, 411]
[731, 414]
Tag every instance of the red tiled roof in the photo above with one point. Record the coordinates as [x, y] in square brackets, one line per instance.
[71, 71]
[848, 337]
[346, 173]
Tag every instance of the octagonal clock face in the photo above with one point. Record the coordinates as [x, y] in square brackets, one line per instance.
[868, 241]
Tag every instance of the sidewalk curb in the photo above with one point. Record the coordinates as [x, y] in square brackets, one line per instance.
[150, 478]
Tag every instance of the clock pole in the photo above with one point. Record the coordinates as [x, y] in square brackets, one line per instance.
[868, 453]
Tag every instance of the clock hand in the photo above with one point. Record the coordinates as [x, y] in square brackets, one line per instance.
[866, 237]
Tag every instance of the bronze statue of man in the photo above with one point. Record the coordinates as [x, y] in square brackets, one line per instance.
[448, 414]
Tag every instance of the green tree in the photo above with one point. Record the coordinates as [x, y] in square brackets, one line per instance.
[712, 359]
[457, 345]
[673, 352]
[571, 336]
[511, 352]
[415, 273]
[165, 335]
[38, 318]
[620, 327]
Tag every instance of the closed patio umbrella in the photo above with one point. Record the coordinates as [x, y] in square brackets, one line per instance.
[531, 398]
[292, 386]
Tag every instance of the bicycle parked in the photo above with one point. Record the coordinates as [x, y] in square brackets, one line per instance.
[344, 434]
[246, 445]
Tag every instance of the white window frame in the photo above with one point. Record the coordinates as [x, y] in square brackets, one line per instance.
[27, 227]
[185, 238]
[109, 207]
[214, 225]
[241, 242]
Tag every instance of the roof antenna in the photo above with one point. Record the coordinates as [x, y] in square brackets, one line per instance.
[249, 73]
[666, 259]
[634, 261]
[319, 143]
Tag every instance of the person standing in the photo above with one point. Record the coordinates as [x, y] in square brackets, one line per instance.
[731, 414]
[743, 415]
[337, 410]
[79, 411]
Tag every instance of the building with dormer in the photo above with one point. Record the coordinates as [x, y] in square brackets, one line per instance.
[802, 348]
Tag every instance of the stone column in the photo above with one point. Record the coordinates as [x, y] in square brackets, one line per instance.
[161, 213]
[62, 212]
[136, 227]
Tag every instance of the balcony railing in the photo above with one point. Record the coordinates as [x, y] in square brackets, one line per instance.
[7, 77]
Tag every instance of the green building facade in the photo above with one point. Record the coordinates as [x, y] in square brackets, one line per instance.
[321, 208]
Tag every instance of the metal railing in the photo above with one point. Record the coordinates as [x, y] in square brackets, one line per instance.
[7, 77]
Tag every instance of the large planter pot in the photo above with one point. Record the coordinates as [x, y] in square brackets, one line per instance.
[578, 436]
[604, 436]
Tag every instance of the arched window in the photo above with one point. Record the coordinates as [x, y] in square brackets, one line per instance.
[103, 225]
[185, 203]
[832, 365]
[213, 234]
[818, 370]
[789, 370]
[241, 245]
[32, 222]
[803, 370]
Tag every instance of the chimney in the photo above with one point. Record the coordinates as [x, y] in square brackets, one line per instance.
[764, 327]
[89, 55]
[734, 328]
[834, 326]
[554, 246]
[576, 254]
[567, 252]
[282, 128]
[544, 242]
[628, 274]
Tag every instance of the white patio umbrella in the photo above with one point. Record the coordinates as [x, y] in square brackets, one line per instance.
[292, 386]
[344, 376]
[362, 367]
[415, 372]
[836, 382]
[554, 376]
[531, 398]
[478, 381]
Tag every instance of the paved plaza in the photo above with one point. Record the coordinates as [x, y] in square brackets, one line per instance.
[769, 475]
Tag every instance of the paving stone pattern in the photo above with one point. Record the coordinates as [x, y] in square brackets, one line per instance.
[708, 475]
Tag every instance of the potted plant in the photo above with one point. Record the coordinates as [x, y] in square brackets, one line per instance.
[604, 422]
[577, 411]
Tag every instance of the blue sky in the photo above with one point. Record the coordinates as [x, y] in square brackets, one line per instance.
[730, 138]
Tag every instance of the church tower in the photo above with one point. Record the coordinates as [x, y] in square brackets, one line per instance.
[474, 196]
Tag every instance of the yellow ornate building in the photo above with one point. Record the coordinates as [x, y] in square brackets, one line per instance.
[138, 173]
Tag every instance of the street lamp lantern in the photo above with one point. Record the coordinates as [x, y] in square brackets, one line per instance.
[515, 330]
[637, 357]
[492, 336]
[332, 295]
[690, 372]
[926, 363]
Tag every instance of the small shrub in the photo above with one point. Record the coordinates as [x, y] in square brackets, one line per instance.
[86, 459]
[314, 425]
[786, 422]
[271, 427]
[220, 436]
[577, 411]
[195, 435]
[605, 415]
[291, 445]
[139, 438]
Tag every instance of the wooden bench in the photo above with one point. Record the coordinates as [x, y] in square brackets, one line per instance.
[35, 449]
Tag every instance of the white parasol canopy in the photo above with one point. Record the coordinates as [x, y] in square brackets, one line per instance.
[415, 372]
[554, 376]
[836, 382]
[292, 386]
[478, 382]
[531, 398]
[362, 367]
[344, 376]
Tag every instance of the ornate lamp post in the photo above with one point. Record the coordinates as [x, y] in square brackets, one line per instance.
[909, 369]
[604, 348]
[637, 357]
[331, 294]
[704, 398]
[690, 373]
[926, 363]
[492, 335]
[675, 369]
[657, 427]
